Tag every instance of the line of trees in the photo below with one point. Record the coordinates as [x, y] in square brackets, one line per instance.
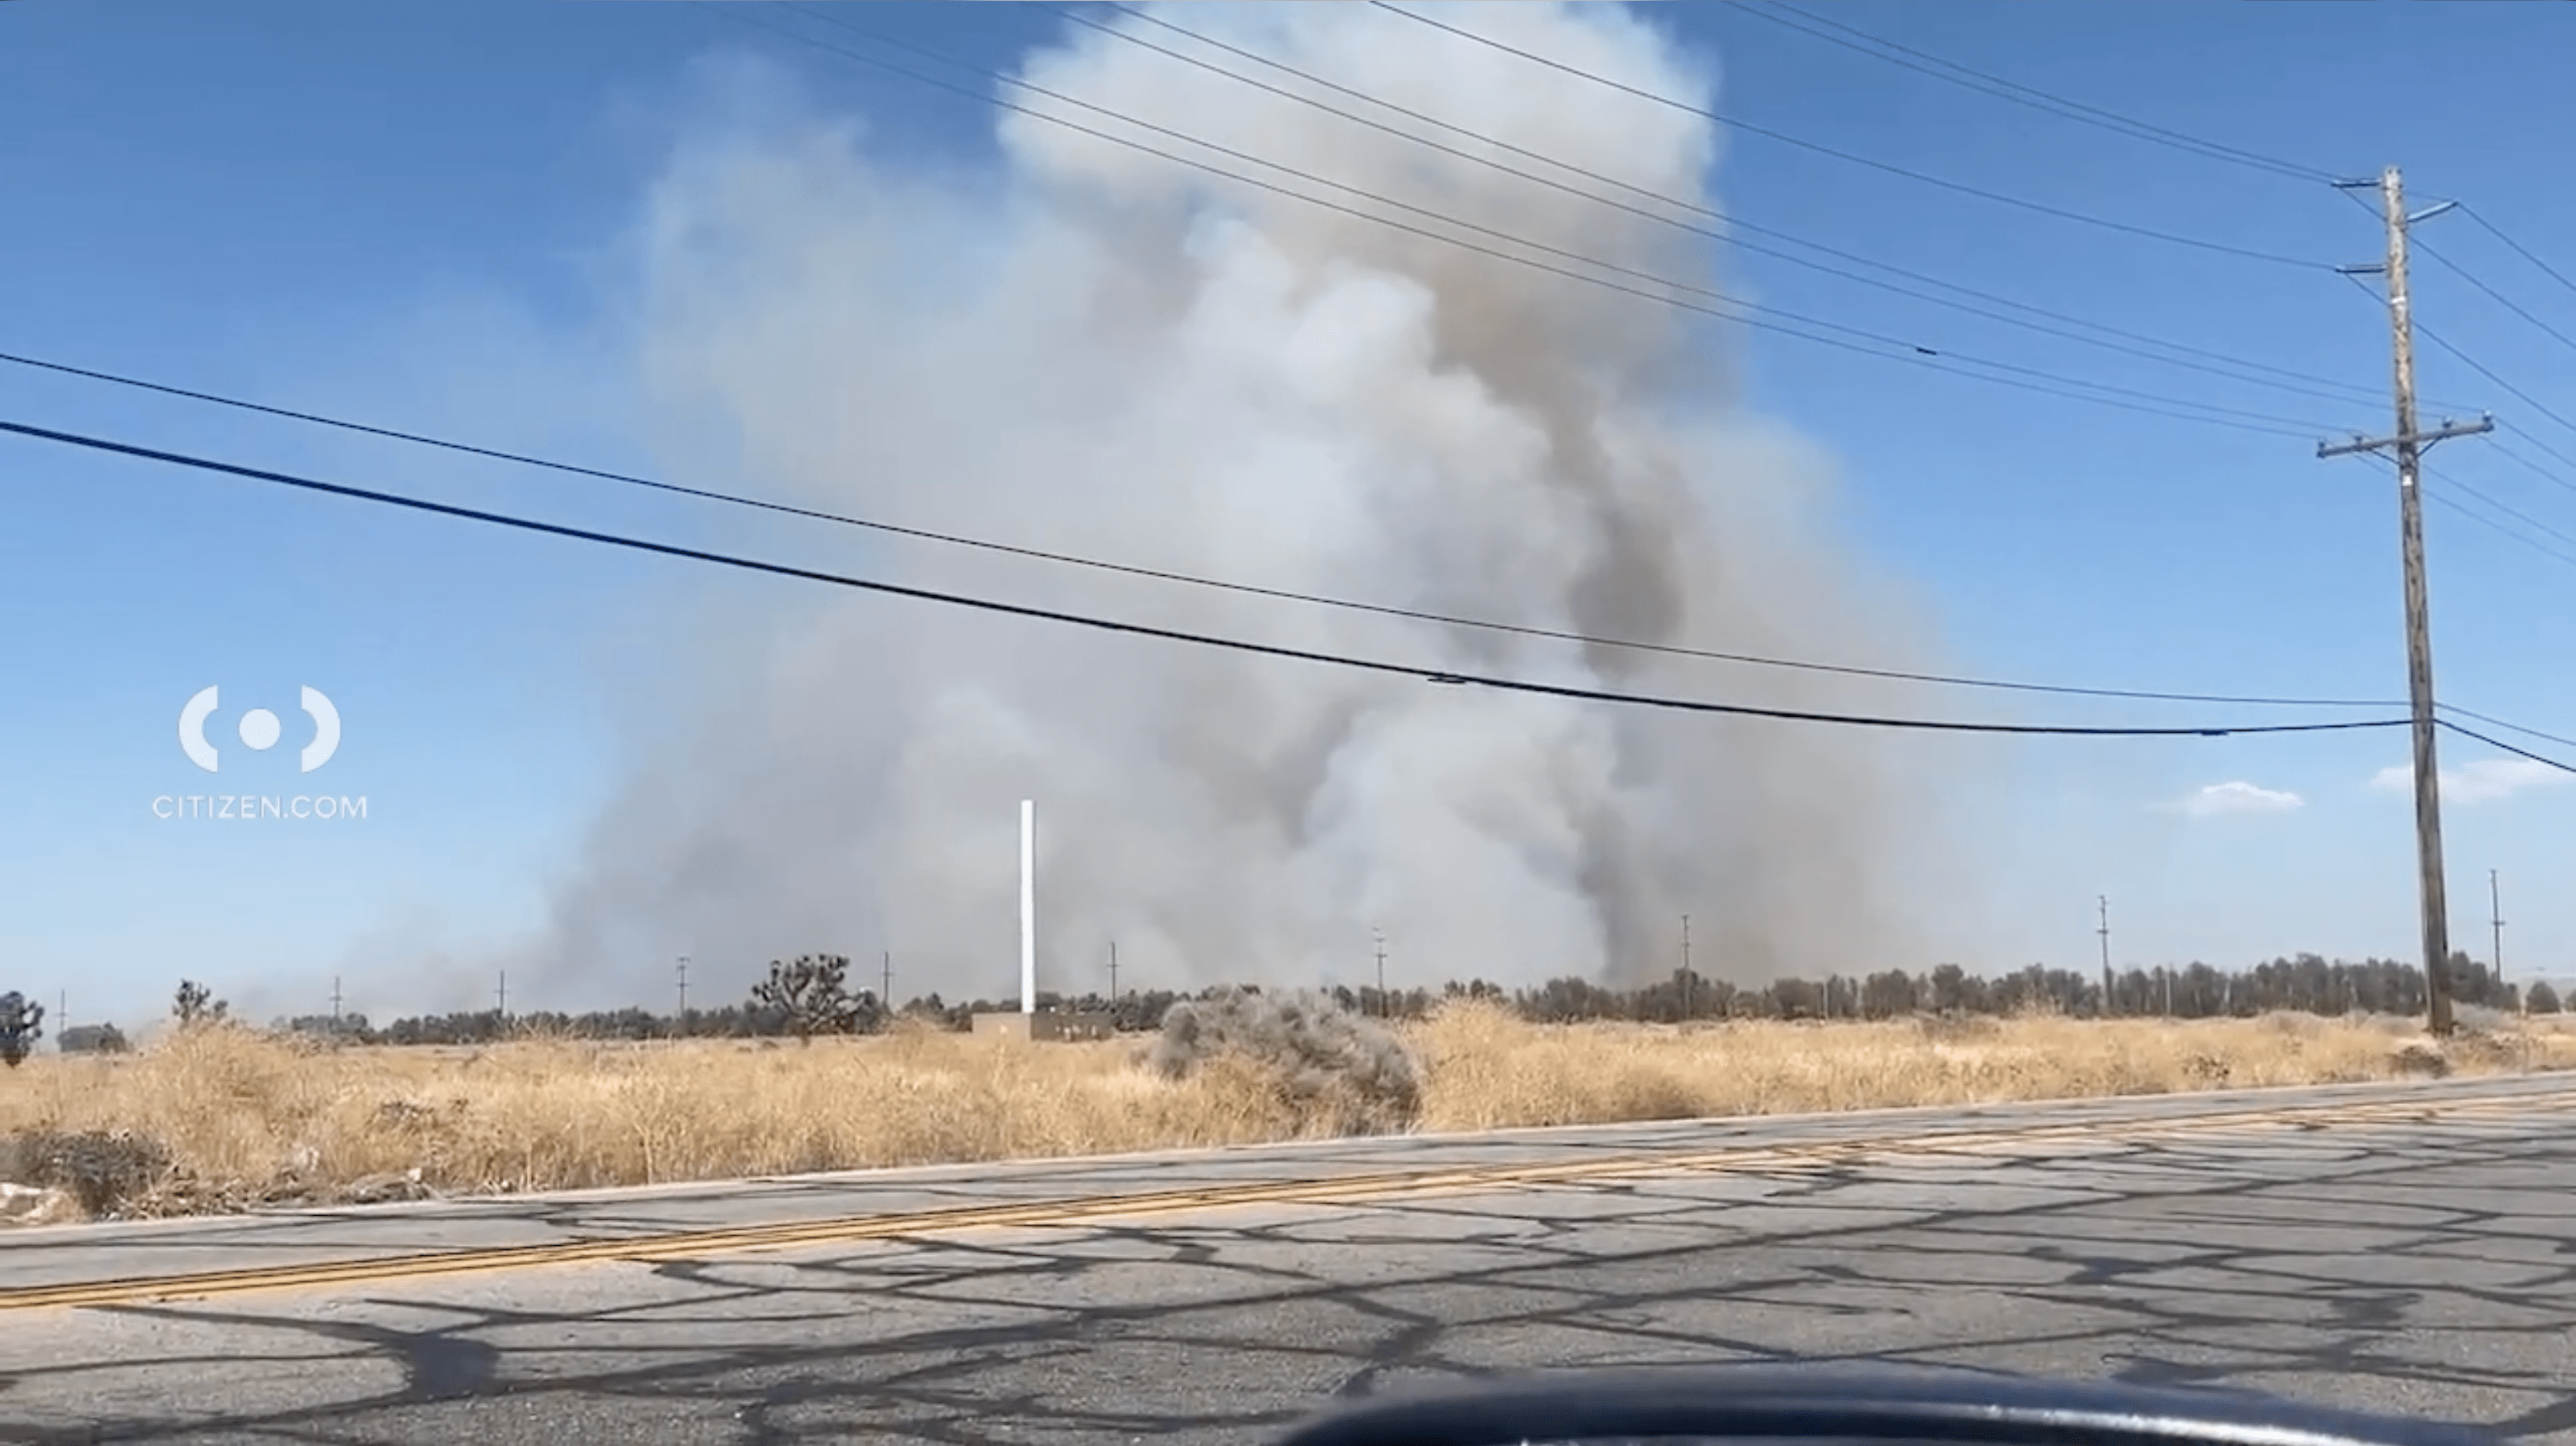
[811, 995]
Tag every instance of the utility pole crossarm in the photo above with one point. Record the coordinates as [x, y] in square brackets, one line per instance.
[2442, 433]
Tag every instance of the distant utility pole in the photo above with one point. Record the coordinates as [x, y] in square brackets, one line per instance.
[2104, 901]
[1686, 972]
[1382, 1005]
[2495, 920]
[885, 994]
[1113, 971]
[684, 994]
[503, 996]
[335, 1000]
[2408, 445]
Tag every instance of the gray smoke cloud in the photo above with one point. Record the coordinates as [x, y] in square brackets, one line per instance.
[1104, 353]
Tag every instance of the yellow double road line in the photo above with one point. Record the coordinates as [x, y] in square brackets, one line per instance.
[1350, 1189]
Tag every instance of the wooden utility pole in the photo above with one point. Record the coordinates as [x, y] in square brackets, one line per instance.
[1113, 971]
[683, 1025]
[2408, 446]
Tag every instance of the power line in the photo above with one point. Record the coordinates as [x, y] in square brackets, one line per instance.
[2078, 111]
[2517, 393]
[2507, 302]
[870, 60]
[2544, 549]
[2528, 465]
[1731, 309]
[2225, 366]
[2472, 363]
[994, 605]
[2561, 458]
[2454, 484]
[2483, 520]
[1307, 100]
[2527, 540]
[2037, 99]
[2525, 518]
[2337, 390]
[2552, 272]
[1998, 197]
[1190, 579]
[2510, 728]
[2509, 748]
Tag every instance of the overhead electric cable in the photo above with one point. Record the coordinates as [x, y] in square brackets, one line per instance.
[2094, 115]
[1726, 308]
[2190, 358]
[2526, 519]
[2561, 458]
[2507, 747]
[2472, 363]
[2045, 101]
[2510, 727]
[2480, 518]
[2509, 454]
[2498, 297]
[2481, 368]
[2442, 495]
[2525, 252]
[2001, 198]
[994, 605]
[1165, 575]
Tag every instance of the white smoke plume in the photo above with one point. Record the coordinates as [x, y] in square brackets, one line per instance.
[1105, 353]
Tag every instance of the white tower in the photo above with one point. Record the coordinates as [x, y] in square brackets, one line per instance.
[1028, 906]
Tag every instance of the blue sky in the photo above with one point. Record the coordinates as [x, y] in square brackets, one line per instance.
[418, 216]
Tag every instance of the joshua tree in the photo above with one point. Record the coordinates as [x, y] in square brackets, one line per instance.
[21, 1025]
[814, 994]
[196, 1004]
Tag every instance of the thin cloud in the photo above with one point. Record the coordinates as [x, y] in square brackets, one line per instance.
[2484, 781]
[2240, 797]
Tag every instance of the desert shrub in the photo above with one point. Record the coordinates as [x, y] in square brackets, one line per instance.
[101, 1170]
[1324, 1059]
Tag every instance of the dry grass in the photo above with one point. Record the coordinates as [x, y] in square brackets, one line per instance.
[223, 1118]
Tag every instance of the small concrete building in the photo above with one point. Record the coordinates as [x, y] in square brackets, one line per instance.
[1045, 1025]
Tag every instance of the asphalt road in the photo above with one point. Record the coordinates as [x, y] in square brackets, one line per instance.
[2408, 1249]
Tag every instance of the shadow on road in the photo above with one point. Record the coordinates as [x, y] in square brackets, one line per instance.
[2424, 1268]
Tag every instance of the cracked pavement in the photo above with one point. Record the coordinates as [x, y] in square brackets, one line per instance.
[2417, 1260]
